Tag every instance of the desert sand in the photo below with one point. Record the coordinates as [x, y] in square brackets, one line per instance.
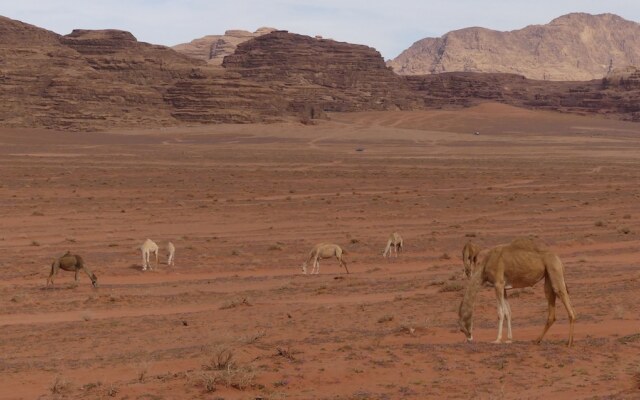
[244, 204]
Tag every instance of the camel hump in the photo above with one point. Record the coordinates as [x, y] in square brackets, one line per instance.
[529, 244]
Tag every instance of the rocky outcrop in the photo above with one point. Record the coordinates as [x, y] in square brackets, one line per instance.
[213, 48]
[91, 80]
[102, 79]
[460, 89]
[317, 75]
[574, 47]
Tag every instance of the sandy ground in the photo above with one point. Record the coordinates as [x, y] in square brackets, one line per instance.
[245, 203]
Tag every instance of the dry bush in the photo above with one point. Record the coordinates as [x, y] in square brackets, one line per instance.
[385, 318]
[240, 378]
[221, 358]
[250, 339]
[60, 385]
[451, 286]
[286, 353]
[236, 302]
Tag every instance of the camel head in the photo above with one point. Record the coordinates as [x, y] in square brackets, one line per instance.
[304, 268]
[466, 327]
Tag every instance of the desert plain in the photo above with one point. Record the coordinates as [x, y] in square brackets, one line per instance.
[235, 318]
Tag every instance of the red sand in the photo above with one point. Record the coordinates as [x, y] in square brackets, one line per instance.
[245, 203]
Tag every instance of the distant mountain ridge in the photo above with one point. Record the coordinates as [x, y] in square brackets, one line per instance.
[573, 47]
[214, 48]
[105, 79]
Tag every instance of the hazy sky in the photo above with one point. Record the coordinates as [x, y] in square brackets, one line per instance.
[389, 26]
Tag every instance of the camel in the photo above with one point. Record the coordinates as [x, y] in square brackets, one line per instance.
[395, 242]
[171, 249]
[470, 253]
[520, 264]
[148, 247]
[324, 250]
[71, 262]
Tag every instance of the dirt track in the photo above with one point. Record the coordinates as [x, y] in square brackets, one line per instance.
[244, 205]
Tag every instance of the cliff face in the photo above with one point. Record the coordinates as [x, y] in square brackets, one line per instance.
[462, 89]
[105, 79]
[328, 75]
[214, 48]
[574, 47]
[102, 79]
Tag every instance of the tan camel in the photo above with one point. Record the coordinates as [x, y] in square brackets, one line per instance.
[71, 262]
[148, 247]
[395, 242]
[520, 264]
[324, 250]
[171, 250]
[470, 253]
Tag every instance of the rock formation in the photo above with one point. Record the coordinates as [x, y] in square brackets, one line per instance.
[90, 80]
[323, 74]
[574, 47]
[214, 48]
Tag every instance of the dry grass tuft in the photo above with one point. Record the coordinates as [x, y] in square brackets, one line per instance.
[221, 358]
[236, 302]
[60, 385]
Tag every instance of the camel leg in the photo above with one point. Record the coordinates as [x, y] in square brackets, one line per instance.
[156, 259]
[507, 309]
[395, 247]
[551, 302]
[386, 249]
[145, 260]
[501, 310]
[344, 264]
[54, 271]
[564, 297]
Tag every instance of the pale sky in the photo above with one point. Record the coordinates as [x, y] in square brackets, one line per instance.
[388, 26]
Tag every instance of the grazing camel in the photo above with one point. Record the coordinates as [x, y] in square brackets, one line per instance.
[324, 250]
[148, 247]
[520, 264]
[171, 249]
[71, 262]
[470, 253]
[395, 242]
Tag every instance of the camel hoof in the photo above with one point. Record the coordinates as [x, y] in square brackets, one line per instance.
[509, 341]
[497, 341]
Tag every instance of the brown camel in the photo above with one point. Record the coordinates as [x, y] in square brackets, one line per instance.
[71, 262]
[470, 253]
[520, 264]
[320, 251]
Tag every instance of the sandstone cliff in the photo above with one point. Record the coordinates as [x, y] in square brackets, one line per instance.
[104, 79]
[574, 47]
[323, 74]
[214, 48]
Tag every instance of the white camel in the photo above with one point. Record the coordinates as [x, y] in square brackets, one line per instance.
[395, 242]
[171, 249]
[148, 247]
[320, 251]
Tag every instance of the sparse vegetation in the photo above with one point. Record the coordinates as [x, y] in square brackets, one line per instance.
[221, 358]
[60, 385]
[451, 286]
[235, 302]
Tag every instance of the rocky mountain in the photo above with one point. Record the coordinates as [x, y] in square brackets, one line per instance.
[321, 74]
[574, 47]
[214, 48]
[105, 79]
